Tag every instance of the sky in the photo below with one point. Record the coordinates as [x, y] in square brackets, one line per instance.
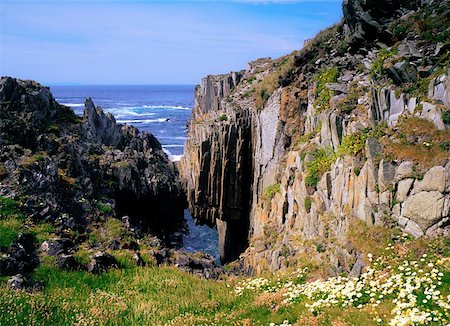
[150, 42]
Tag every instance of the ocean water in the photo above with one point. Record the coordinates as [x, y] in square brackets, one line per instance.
[163, 110]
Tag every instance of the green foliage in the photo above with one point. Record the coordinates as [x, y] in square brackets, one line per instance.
[104, 208]
[350, 102]
[251, 79]
[223, 117]
[9, 230]
[323, 159]
[352, 144]
[323, 94]
[271, 190]
[446, 117]
[9, 208]
[308, 203]
[42, 231]
[377, 69]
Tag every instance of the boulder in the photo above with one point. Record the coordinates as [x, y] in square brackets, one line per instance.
[367, 20]
[21, 256]
[425, 208]
[101, 261]
[403, 188]
[67, 262]
[434, 180]
[16, 282]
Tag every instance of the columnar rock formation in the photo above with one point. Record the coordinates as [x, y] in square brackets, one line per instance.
[290, 153]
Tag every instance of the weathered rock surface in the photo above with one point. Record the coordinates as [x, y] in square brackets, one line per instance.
[72, 172]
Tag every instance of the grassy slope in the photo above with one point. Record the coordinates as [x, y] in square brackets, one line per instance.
[160, 296]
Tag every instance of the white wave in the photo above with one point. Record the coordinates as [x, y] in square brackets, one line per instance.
[170, 107]
[172, 146]
[172, 157]
[73, 105]
[143, 121]
[126, 113]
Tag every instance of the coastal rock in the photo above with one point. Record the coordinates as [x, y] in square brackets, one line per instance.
[101, 261]
[425, 208]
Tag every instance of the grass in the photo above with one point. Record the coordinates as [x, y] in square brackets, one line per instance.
[281, 68]
[223, 118]
[167, 296]
[377, 70]
[417, 140]
[323, 158]
[104, 208]
[9, 230]
[271, 190]
[323, 94]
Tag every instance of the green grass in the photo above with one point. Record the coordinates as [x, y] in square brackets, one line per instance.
[377, 69]
[104, 208]
[323, 94]
[271, 190]
[323, 159]
[9, 230]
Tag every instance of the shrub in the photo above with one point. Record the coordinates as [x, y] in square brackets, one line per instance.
[323, 159]
[352, 144]
[323, 94]
[308, 203]
[104, 208]
[271, 190]
[377, 69]
[223, 117]
[446, 117]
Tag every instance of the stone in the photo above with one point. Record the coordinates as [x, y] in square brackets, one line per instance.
[54, 247]
[138, 261]
[414, 229]
[404, 170]
[373, 148]
[402, 72]
[16, 282]
[403, 188]
[424, 208]
[386, 173]
[67, 262]
[21, 257]
[339, 88]
[434, 180]
[101, 261]
[367, 20]
[357, 268]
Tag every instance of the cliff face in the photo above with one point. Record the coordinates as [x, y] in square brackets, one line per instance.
[291, 154]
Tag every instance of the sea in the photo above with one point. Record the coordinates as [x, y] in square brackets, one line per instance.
[164, 111]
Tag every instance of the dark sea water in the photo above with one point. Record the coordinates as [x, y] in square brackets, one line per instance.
[163, 110]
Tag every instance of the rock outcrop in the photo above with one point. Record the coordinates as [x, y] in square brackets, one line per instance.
[290, 153]
[72, 172]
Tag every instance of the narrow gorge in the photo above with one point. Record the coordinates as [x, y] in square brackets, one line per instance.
[292, 156]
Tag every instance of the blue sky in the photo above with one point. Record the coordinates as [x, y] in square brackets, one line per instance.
[150, 42]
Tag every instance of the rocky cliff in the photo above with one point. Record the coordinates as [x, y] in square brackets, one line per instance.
[75, 174]
[290, 155]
